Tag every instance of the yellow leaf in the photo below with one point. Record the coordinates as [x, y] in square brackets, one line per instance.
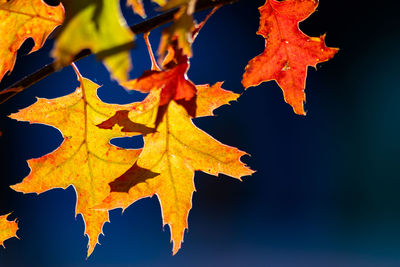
[97, 25]
[175, 150]
[8, 229]
[85, 159]
[23, 19]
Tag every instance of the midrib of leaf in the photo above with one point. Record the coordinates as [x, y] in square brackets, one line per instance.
[282, 41]
[85, 138]
[88, 153]
[167, 131]
[167, 155]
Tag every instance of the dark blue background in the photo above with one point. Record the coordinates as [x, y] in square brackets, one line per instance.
[326, 191]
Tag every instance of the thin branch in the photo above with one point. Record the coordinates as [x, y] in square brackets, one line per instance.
[141, 27]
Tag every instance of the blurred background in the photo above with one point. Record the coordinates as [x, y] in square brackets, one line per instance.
[326, 190]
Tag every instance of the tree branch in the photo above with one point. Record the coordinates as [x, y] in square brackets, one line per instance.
[141, 27]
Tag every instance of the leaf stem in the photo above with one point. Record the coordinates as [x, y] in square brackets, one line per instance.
[77, 71]
[154, 65]
[142, 27]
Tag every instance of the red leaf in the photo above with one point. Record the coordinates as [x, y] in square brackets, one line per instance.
[288, 50]
[172, 80]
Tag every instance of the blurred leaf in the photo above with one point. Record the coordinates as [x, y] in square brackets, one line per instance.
[97, 25]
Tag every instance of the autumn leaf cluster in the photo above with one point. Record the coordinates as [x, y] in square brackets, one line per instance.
[106, 177]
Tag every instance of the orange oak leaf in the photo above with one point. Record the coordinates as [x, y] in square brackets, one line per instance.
[86, 160]
[288, 50]
[175, 150]
[8, 229]
[23, 19]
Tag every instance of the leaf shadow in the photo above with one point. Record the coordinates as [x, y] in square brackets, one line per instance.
[130, 178]
[121, 119]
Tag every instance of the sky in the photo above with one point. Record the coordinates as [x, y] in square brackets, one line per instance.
[326, 188]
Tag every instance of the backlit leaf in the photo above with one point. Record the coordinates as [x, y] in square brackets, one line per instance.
[86, 160]
[8, 229]
[209, 98]
[288, 50]
[23, 19]
[175, 150]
